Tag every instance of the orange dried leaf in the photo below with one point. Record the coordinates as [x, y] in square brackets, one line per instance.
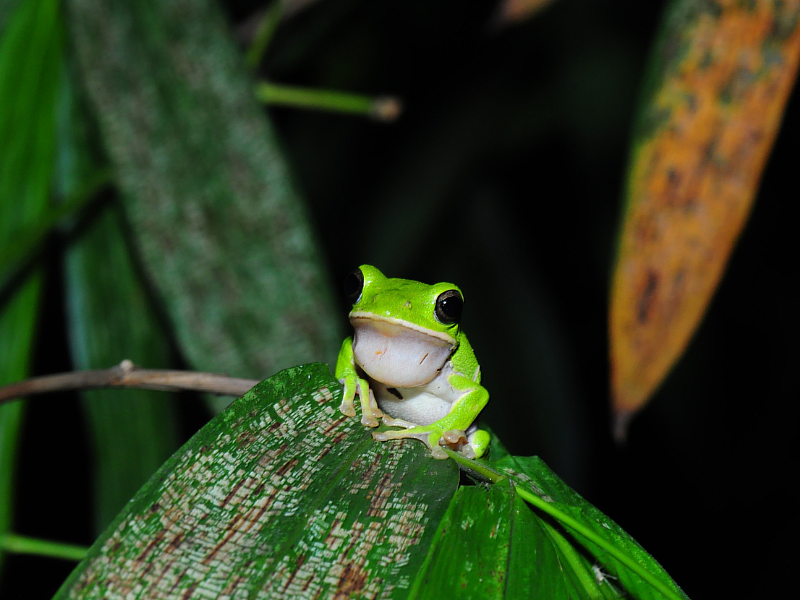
[724, 72]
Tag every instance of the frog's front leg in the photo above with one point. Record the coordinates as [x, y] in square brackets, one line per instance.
[450, 429]
[347, 374]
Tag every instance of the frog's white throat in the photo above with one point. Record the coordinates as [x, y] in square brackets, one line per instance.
[398, 353]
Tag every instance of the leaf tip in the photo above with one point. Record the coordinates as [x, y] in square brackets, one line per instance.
[619, 425]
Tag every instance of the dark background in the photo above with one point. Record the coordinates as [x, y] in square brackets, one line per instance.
[504, 175]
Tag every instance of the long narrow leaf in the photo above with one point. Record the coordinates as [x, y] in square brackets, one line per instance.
[490, 545]
[720, 79]
[221, 232]
[30, 49]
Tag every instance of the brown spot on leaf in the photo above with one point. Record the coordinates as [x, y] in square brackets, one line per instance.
[300, 560]
[381, 495]
[308, 582]
[324, 396]
[231, 587]
[190, 590]
[261, 511]
[175, 543]
[232, 529]
[335, 424]
[286, 467]
[178, 580]
[246, 437]
[351, 582]
[231, 494]
[647, 297]
[152, 545]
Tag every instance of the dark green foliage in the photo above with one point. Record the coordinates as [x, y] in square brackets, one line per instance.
[204, 184]
[281, 495]
[30, 61]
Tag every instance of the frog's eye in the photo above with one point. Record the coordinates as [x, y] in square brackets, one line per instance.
[448, 307]
[353, 284]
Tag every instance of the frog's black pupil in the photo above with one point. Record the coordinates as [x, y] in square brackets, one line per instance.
[353, 284]
[448, 307]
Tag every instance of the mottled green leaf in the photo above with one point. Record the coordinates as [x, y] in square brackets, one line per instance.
[490, 545]
[280, 496]
[30, 60]
[220, 229]
[580, 527]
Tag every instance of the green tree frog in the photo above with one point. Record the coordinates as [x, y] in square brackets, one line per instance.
[410, 363]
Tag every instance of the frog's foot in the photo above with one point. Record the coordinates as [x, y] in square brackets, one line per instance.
[456, 440]
[433, 438]
[370, 413]
[425, 435]
[346, 407]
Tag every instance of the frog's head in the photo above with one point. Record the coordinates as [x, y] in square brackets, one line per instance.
[404, 330]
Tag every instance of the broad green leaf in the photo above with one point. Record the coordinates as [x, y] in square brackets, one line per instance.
[30, 49]
[109, 319]
[721, 75]
[280, 496]
[220, 230]
[584, 536]
[490, 545]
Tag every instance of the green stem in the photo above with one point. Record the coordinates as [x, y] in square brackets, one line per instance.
[573, 558]
[266, 29]
[552, 509]
[19, 544]
[385, 109]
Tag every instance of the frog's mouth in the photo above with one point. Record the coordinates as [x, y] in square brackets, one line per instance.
[398, 353]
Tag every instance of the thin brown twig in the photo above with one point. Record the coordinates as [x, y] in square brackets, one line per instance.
[128, 375]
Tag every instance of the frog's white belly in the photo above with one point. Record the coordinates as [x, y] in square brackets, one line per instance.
[421, 405]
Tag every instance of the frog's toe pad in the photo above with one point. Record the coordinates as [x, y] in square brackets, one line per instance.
[480, 442]
[347, 408]
[453, 437]
[369, 420]
[456, 439]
